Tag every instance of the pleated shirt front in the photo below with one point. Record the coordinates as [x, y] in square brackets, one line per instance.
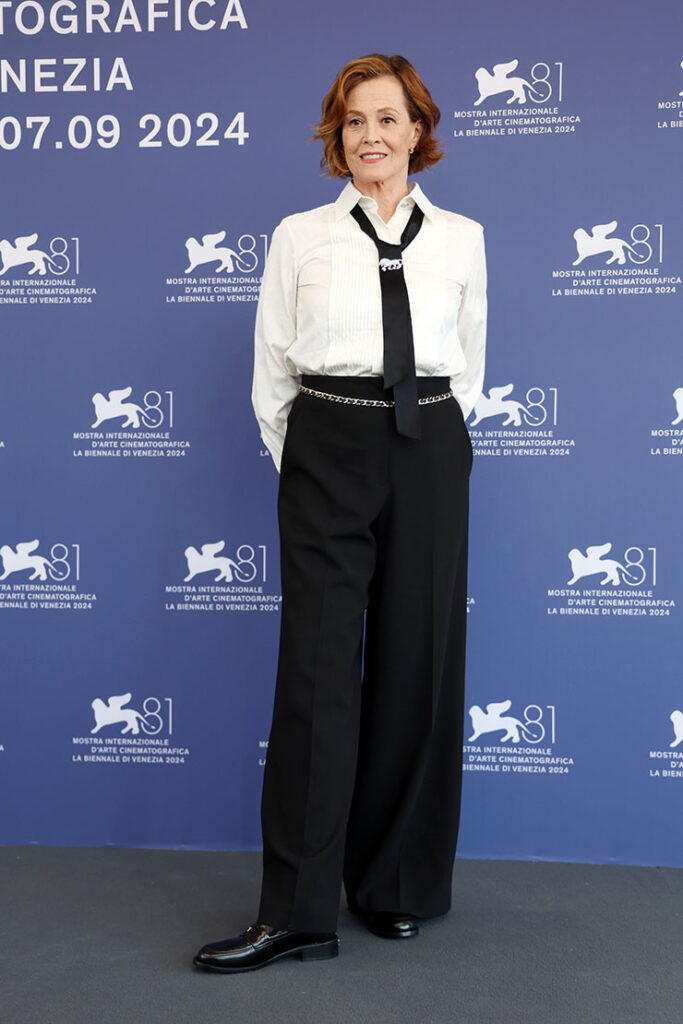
[320, 306]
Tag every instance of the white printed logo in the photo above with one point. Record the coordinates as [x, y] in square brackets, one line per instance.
[498, 82]
[52, 273]
[21, 559]
[228, 272]
[670, 105]
[115, 407]
[520, 105]
[236, 584]
[593, 562]
[632, 263]
[530, 741]
[677, 722]
[57, 578]
[596, 243]
[126, 745]
[678, 400]
[528, 427]
[140, 435]
[670, 439]
[209, 251]
[19, 253]
[114, 712]
[496, 403]
[493, 720]
[627, 585]
[669, 760]
[153, 719]
[206, 561]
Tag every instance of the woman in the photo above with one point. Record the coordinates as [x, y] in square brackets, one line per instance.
[369, 356]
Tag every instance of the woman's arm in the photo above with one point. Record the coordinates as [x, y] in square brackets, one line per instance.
[274, 388]
[467, 385]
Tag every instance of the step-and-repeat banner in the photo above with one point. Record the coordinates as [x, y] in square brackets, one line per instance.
[147, 150]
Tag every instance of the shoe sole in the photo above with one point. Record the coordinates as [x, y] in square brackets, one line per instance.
[393, 934]
[321, 951]
[382, 934]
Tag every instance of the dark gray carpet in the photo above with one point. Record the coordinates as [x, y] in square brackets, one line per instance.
[106, 936]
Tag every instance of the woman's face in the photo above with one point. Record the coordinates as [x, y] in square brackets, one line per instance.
[377, 133]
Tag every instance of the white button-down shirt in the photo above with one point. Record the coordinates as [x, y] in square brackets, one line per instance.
[320, 304]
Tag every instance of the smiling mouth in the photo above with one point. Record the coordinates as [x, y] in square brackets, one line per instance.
[373, 157]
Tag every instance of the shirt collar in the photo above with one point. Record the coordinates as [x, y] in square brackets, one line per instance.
[350, 195]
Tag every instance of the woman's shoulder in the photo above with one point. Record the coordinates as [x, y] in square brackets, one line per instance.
[307, 218]
[459, 221]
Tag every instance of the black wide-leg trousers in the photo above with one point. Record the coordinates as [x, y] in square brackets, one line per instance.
[363, 774]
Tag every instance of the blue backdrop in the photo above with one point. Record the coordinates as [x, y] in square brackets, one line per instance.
[144, 164]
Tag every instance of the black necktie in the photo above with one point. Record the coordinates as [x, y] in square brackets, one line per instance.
[397, 325]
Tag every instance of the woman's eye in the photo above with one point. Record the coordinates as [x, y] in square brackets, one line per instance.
[356, 121]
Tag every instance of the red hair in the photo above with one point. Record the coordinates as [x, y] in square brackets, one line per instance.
[420, 105]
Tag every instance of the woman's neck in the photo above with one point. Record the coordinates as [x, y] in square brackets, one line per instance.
[387, 195]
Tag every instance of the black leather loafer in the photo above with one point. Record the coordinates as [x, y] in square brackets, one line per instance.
[260, 943]
[388, 924]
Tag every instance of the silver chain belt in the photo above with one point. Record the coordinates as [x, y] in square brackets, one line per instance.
[371, 401]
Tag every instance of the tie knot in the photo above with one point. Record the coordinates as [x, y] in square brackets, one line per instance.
[390, 252]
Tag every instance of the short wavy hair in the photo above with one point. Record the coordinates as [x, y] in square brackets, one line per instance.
[420, 105]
